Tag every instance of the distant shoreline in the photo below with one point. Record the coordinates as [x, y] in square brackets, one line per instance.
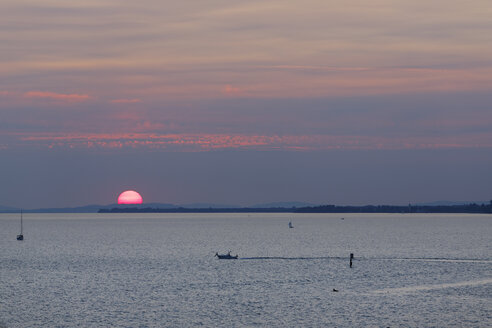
[468, 209]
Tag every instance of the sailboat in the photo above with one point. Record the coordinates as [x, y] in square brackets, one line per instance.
[290, 225]
[20, 236]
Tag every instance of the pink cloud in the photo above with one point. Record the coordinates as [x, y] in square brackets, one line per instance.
[229, 89]
[125, 101]
[318, 68]
[56, 96]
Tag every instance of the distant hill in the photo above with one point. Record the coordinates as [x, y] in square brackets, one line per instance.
[94, 208]
[78, 209]
[283, 204]
[154, 205]
[208, 205]
[449, 203]
[8, 209]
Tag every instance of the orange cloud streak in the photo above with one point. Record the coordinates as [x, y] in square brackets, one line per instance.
[229, 89]
[56, 96]
[206, 142]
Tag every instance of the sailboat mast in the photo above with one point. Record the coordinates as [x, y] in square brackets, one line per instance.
[21, 222]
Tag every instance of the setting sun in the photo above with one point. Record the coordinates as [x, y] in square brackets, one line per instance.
[130, 197]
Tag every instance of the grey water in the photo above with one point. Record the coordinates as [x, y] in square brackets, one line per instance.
[159, 270]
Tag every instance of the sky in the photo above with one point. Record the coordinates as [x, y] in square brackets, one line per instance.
[244, 102]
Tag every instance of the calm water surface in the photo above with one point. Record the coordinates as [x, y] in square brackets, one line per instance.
[159, 270]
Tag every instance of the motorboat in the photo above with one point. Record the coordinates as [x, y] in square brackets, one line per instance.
[227, 256]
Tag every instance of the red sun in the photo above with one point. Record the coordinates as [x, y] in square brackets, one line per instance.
[130, 197]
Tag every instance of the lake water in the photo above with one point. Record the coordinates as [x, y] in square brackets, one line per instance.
[159, 270]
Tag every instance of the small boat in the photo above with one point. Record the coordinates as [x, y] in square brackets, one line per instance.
[227, 256]
[20, 236]
[290, 225]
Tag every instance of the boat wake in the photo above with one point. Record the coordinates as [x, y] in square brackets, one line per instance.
[424, 259]
[432, 259]
[293, 258]
[411, 289]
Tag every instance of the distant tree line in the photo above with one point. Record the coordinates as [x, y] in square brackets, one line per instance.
[197, 210]
[466, 208]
